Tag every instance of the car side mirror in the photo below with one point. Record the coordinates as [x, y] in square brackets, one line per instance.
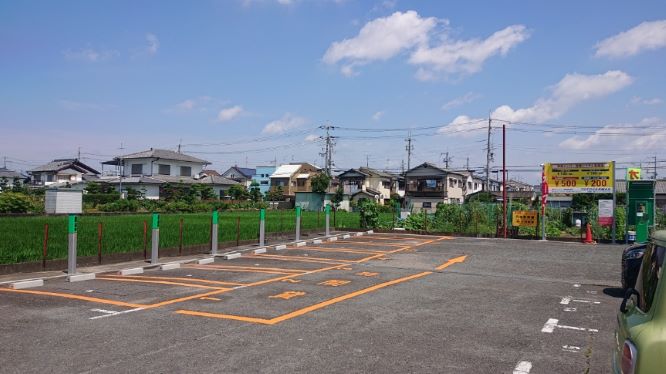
[627, 296]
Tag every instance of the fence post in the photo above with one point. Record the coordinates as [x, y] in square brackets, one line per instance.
[180, 237]
[99, 243]
[71, 247]
[155, 239]
[262, 227]
[328, 219]
[298, 223]
[213, 234]
[46, 245]
[145, 239]
[237, 231]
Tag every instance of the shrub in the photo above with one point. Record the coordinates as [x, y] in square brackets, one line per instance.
[369, 213]
[95, 199]
[13, 202]
[120, 206]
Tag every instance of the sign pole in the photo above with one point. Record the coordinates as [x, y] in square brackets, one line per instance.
[504, 179]
[155, 239]
[214, 233]
[614, 228]
[71, 248]
[544, 196]
[298, 223]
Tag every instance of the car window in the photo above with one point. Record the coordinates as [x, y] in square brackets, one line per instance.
[651, 271]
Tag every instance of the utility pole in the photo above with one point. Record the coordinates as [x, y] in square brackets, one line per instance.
[409, 149]
[504, 217]
[488, 157]
[467, 164]
[5, 161]
[78, 154]
[446, 159]
[179, 142]
[402, 167]
[328, 149]
[367, 161]
[120, 170]
[655, 167]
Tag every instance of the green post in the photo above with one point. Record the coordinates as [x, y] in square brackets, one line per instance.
[262, 227]
[214, 233]
[298, 223]
[156, 221]
[328, 219]
[71, 247]
[155, 239]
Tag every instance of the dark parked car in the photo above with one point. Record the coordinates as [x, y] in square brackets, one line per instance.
[631, 263]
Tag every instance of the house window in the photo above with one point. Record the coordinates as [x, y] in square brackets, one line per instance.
[469, 184]
[427, 204]
[450, 182]
[185, 171]
[301, 182]
[264, 183]
[49, 177]
[163, 169]
[137, 169]
[386, 184]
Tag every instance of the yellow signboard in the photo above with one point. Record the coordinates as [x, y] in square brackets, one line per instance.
[633, 174]
[591, 177]
[524, 218]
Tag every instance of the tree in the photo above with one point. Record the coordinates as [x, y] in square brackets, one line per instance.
[237, 192]
[320, 183]
[93, 187]
[255, 192]
[338, 197]
[276, 194]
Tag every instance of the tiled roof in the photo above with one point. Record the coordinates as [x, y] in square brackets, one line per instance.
[6, 173]
[57, 165]
[164, 154]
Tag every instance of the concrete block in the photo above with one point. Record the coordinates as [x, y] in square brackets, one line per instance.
[231, 256]
[205, 261]
[317, 241]
[259, 250]
[370, 232]
[170, 266]
[280, 247]
[301, 244]
[360, 233]
[27, 284]
[332, 239]
[346, 236]
[131, 271]
[81, 277]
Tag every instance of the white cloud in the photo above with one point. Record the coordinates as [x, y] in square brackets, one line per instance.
[381, 39]
[311, 138]
[196, 103]
[636, 100]
[89, 54]
[465, 56]
[644, 37]
[227, 114]
[378, 115]
[153, 44]
[464, 126]
[284, 124]
[462, 100]
[643, 135]
[384, 38]
[567, 93]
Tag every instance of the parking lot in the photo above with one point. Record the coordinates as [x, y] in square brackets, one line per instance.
[374, 303]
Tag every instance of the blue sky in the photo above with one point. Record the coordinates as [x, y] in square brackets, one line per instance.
[250, 81]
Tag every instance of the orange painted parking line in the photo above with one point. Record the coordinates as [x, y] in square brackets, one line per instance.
[187, 298]
[368, 243]
[188, 279]
[451, 262]
[210, 298]
[162, 282]
[341, 250]
[286, 270]
[239, 270]
[305, 310]
[319, 260]
[75, 297]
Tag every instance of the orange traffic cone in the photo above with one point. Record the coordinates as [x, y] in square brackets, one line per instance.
[588, 235]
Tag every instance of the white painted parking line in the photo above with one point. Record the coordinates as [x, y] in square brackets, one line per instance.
[117, 313]
[523, 367]
[103, 311]
[576, 285]
[552, 323]
[571, 348]
[567, 299]
[569, 309]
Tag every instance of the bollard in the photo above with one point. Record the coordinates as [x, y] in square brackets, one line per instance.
[155, 239]
[298, 223]
[71, 248]
[328, 219]
[262, 227]
[213, 234]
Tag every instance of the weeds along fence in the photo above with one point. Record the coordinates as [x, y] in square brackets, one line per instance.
[39, 238]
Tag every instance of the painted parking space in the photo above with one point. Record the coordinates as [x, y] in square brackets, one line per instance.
[262, 287]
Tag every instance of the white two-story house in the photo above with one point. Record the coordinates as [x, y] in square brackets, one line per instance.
[367, 183]
[62, 172]
[427, 185]
[150, 170]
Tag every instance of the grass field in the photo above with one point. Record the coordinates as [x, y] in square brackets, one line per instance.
[21, 238]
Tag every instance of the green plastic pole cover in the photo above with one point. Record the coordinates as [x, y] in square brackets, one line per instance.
[328, 208]
[262, 214]
[71, 224]
[298, 211]
[156, 221]
[215, 217]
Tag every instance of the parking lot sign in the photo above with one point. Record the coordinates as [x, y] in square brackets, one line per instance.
[524, 218]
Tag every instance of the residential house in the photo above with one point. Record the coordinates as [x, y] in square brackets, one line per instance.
[367, 183]
[514, 185]
[240, 175]
[150, 171]
[471, 183]
[293, 178]
[209, 172]
[9, 177]
[262, 176]
[62, 172]
[427, 185]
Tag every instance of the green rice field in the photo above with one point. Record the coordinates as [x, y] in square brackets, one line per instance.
[22, 238]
